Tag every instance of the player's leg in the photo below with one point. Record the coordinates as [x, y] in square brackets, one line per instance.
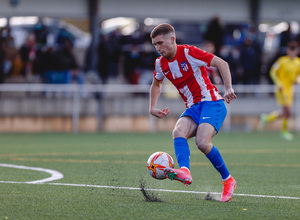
[204, 135]
[286, 116]
[266, 118]
[285, 134]
[286, 103]
[184, 129]
[212, 117]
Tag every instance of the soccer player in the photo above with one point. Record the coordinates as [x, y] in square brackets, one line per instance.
[184, 66]
[284, 73]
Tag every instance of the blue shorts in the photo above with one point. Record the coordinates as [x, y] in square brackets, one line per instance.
[211, 112]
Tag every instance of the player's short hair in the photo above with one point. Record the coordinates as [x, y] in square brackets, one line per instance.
[162, 29]
[292, 45]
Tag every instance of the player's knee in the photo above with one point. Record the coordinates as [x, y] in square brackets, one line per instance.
[286, 113]
[178, 132]
[204, 145]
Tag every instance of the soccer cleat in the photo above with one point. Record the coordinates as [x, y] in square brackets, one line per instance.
[262, 122]
[181, 175]
[287, 136]
[228, 187]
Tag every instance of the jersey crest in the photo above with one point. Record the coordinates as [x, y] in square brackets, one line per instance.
[184, 66]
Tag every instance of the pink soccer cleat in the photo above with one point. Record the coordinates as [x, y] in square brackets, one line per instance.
[182, 175]
[228, 188]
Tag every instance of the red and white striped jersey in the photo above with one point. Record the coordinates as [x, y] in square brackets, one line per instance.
[187, 72]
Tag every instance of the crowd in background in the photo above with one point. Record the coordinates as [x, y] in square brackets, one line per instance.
[35, 60]
[127, 59]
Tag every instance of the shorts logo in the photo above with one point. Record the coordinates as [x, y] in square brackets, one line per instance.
[184, 66]
[205, 117]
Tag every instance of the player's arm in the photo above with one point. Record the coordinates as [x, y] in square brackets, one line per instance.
[275, 79]
[224, 70]
[297, 80]
[155, 91]
[274, 76]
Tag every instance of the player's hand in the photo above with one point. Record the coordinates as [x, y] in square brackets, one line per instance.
[160, 113]
[229, 95]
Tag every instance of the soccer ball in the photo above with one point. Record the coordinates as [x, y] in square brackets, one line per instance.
[156, 164]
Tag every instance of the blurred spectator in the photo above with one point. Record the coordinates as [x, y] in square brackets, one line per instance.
[131, 63]
[147, 60]
[212, 71]
[215, 33]
[285, 37]
[250, 61]
[114, 52]
[291, 34]
[3, 35]
[109, 52]
[62, 36]
[66, 57]
[28, 54]
[68, 65]
[232, 55]
[59, 67]
[1, 64]
[103, 59]
[47, 65]
[298, 38]
[41, 33]
[11, 61]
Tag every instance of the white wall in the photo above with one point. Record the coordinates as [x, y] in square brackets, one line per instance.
[173, 9]
[53, 8]
[177, 9]
[228, 10]
[279, 10]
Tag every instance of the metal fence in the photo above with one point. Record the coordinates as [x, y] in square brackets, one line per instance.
[247, 93]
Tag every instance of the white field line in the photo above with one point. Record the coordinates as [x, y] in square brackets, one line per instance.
[167, 190]
[157, 190]
[55, 175]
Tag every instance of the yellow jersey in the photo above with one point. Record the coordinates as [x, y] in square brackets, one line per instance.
[284, 73]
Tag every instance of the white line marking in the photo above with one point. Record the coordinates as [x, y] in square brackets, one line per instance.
[55, 175]
[157, 190]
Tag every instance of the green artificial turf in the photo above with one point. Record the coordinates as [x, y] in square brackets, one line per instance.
[96, 167]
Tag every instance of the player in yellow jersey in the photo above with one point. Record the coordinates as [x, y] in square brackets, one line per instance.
[284, 73]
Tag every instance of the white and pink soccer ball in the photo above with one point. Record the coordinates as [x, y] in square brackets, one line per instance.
[157, 162]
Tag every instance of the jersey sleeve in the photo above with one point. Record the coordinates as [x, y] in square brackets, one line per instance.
[298, 73]
[274, 72]
[276, 65]
[201, 55]
[158, 74]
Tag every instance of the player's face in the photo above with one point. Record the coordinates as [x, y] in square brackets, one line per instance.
[292, 53]
[165, 45]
